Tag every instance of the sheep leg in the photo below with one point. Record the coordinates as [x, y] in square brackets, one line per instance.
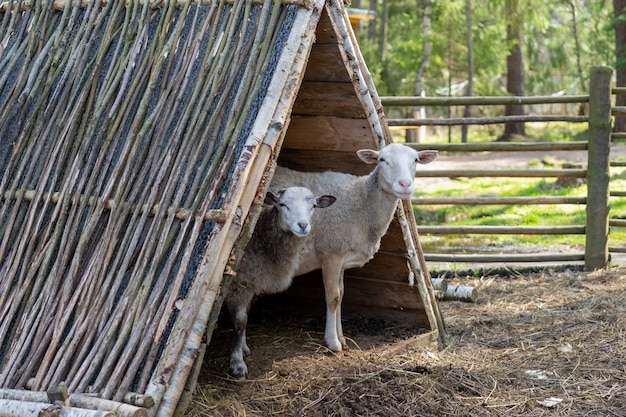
[239, 314]
[332, 272]
[340, 335]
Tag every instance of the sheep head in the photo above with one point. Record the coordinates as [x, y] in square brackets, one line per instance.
[295, 206]
[396, 166]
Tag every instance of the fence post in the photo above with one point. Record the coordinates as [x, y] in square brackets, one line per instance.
[597, 223]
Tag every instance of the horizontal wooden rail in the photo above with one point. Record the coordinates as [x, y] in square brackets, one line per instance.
[618, 136]
[508, 258]
[502, 146]
[617, 223]
[617, 249]
[618, 110]
[509, 173]
[617, 193]
[216, 215]
[617, 164]
[502, 230]
[484, 120]
[475, 201]
[618, 91]
[404, 101]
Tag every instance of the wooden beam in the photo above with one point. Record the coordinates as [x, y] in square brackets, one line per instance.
[502, 230]
[510, 173]
[485, 120]
[217, 215]
[477, 101]
[475, 201]
[502, 146]
[509, 258]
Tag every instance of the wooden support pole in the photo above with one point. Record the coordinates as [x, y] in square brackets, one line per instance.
[597, 225]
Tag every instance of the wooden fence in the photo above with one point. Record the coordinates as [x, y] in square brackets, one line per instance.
[597, 173]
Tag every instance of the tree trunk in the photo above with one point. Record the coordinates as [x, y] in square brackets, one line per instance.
[371, 29]
[382, 40]
[514, 82]
[620, 59]
[412, 135]
[470, 66]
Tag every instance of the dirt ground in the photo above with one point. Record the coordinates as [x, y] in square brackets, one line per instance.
[542, 344]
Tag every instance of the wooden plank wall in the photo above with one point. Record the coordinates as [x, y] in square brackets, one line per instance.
[328, 120]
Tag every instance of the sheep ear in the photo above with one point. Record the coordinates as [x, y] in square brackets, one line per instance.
[271, 198]
[368, 156]
[426, 157]
[325, 201]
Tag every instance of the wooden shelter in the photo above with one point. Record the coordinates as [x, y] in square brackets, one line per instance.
[136, 142]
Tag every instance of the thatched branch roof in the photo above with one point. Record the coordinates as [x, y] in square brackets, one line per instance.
[128, 134]
[135, 141]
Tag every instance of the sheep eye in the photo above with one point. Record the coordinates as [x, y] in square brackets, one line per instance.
[382, 160]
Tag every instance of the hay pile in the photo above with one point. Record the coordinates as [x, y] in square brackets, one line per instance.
[541, 344]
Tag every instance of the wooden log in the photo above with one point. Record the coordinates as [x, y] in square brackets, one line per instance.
[502, 146]
[484, 120]
[58, 394]
[510, 173]
[95, 403]
[138, 400]
[440, 284]
[460, 293]
[475, 201]
[617, 249]
[79, 401]
[598, 175]
[405, 101]
[16, 408]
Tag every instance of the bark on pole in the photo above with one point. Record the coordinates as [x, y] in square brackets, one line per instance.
[597, 223]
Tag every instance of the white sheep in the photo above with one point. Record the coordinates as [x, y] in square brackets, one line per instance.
[348, 234]
[270, 259]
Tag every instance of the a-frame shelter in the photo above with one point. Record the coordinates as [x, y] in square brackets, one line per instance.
[136, 143]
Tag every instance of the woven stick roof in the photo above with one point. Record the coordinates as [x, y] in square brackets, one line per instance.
[135, 139]
[127, 136]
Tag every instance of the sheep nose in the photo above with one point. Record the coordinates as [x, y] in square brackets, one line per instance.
[405, 183]
[304, 226]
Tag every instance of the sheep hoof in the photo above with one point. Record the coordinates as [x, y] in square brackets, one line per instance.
[335, 346]
[239, 370]
[344, 344]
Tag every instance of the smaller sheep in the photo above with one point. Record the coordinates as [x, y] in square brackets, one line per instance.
[270, 259]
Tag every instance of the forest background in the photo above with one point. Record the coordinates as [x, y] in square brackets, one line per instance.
[494, 47]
